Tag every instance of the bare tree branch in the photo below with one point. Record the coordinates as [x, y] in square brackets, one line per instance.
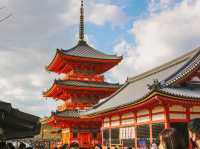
[3, 19]
[2, 8]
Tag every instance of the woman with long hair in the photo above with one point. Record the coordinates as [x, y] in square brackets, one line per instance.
[171, 139]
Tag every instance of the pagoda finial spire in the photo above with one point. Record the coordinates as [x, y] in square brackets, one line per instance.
[81, 31]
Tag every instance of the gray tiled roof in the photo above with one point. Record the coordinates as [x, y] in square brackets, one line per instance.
[182, 92]
[82, 49]
[191, 65]
[136, 88]
[68, 114]
[87, 84]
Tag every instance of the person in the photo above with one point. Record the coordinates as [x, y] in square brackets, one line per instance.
[74, 145]
[2, 145]
[171, 139]
[22, 145]
[65, 146]
[194, 133]
[97, 147]
[154, 146]
[10, 146]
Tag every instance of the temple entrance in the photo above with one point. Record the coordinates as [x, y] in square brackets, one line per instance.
[182, 129]
[85, 139]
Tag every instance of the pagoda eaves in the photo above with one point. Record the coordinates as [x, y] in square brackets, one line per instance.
[69, 118]
[65, 89]
[82, 55]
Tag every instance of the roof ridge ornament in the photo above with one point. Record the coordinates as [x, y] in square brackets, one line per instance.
[155, 86]
[81, 29]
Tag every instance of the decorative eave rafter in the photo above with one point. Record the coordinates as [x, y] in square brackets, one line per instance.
[64, 121]
[63, 63]
[64, 91]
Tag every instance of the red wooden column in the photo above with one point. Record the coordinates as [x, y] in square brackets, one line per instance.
[120, 124]
[166, 112]
[188, 118]
[135, 115]
[110, 132]
[150, 126]
[79, 135]
[188, 113]
[101, 131]
[71, 134]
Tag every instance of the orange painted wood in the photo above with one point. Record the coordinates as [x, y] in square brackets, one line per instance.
[60, 63]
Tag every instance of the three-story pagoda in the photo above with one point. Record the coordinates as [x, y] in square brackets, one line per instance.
[82, 86]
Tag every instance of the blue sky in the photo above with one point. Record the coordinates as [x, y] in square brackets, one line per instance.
[146, 32]
[134, 9]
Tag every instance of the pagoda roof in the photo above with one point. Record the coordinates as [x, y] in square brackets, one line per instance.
[82, 49]
[82, 53]
[86, 84]
[79, 85]
[67, 114]
[139, 87]
[66, 60]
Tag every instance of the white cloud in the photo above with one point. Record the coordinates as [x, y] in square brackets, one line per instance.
[159, 38]
[160, 5]
[104, 13]
[23, 79]
[126, 67]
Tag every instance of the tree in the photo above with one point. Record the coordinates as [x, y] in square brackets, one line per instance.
[5, 17]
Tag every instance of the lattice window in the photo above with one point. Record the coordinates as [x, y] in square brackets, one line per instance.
[156, 129]
[106, 136]
[127, 136]
[127, 133]
[115, 136]
[129, 143]
[75, 132]
[143, 136]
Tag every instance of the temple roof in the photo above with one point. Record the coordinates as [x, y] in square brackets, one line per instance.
[68, 113]
[86, 84]
[17, 124]
[82, 49]
[193, 93]
[189, 67]
[139, 87]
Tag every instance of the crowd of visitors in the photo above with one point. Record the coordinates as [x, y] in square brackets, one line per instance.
[172, 139]
[4, 145]
[169, 139]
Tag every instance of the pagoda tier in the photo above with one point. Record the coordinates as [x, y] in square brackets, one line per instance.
[83, 77]
[73, 106]
[82, 58]
[71, 118]
[80, 91]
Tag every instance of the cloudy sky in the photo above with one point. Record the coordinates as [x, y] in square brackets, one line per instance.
[146, 32]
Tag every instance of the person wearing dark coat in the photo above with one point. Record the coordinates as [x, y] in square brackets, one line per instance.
[194, 133]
